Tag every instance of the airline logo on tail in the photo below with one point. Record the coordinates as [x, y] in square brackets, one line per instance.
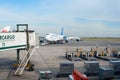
[6, 29]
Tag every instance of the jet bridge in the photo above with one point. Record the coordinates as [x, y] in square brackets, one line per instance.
[12, 40]
[17, 40]
[20, 40]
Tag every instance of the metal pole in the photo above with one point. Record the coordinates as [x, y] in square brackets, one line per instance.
[17, 28]
[18, 51]
[27, 36]
[18, 55]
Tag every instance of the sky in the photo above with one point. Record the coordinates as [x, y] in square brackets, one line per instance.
[83, 18]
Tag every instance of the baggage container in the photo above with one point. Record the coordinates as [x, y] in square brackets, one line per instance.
[65, 69]
[92, 67]
[116, 66]
[106, 73]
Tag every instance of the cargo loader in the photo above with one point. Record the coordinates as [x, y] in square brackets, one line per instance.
[72, 55]
[106, 54]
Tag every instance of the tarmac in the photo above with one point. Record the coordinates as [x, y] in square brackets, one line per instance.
[48, 57]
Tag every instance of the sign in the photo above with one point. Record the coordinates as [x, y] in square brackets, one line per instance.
[12, 40]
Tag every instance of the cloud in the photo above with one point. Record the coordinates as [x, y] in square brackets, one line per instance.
[79, 17]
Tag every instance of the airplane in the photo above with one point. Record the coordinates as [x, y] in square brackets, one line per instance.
[73, 38]
[59, 39]
[6, 29]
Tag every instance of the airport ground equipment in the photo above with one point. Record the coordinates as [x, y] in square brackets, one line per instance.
[92, 67]
[72, 55]
[88, 56]
[103, 51]
[116, 66]
[108, 50]
[66, 69]
[78, 53]
[29, 67]
[70, 77]
[106, 54]
[115, 51]
[79, 76]
[45, 75]
[106, 73]
[107, 58]
[116, 54]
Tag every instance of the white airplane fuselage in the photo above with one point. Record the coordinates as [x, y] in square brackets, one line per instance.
[54, 38]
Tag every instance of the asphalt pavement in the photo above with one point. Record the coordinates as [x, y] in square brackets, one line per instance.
[87, 43]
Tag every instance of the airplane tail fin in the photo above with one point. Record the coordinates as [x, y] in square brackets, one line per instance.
[62, 31]
[6, 29]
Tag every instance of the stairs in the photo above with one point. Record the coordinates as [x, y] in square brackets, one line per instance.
[22, 64]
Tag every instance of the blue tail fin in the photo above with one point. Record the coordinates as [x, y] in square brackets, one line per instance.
[62, 31]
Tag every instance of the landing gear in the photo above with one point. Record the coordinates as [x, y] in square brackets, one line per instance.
[56, 42]
[66, 41]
